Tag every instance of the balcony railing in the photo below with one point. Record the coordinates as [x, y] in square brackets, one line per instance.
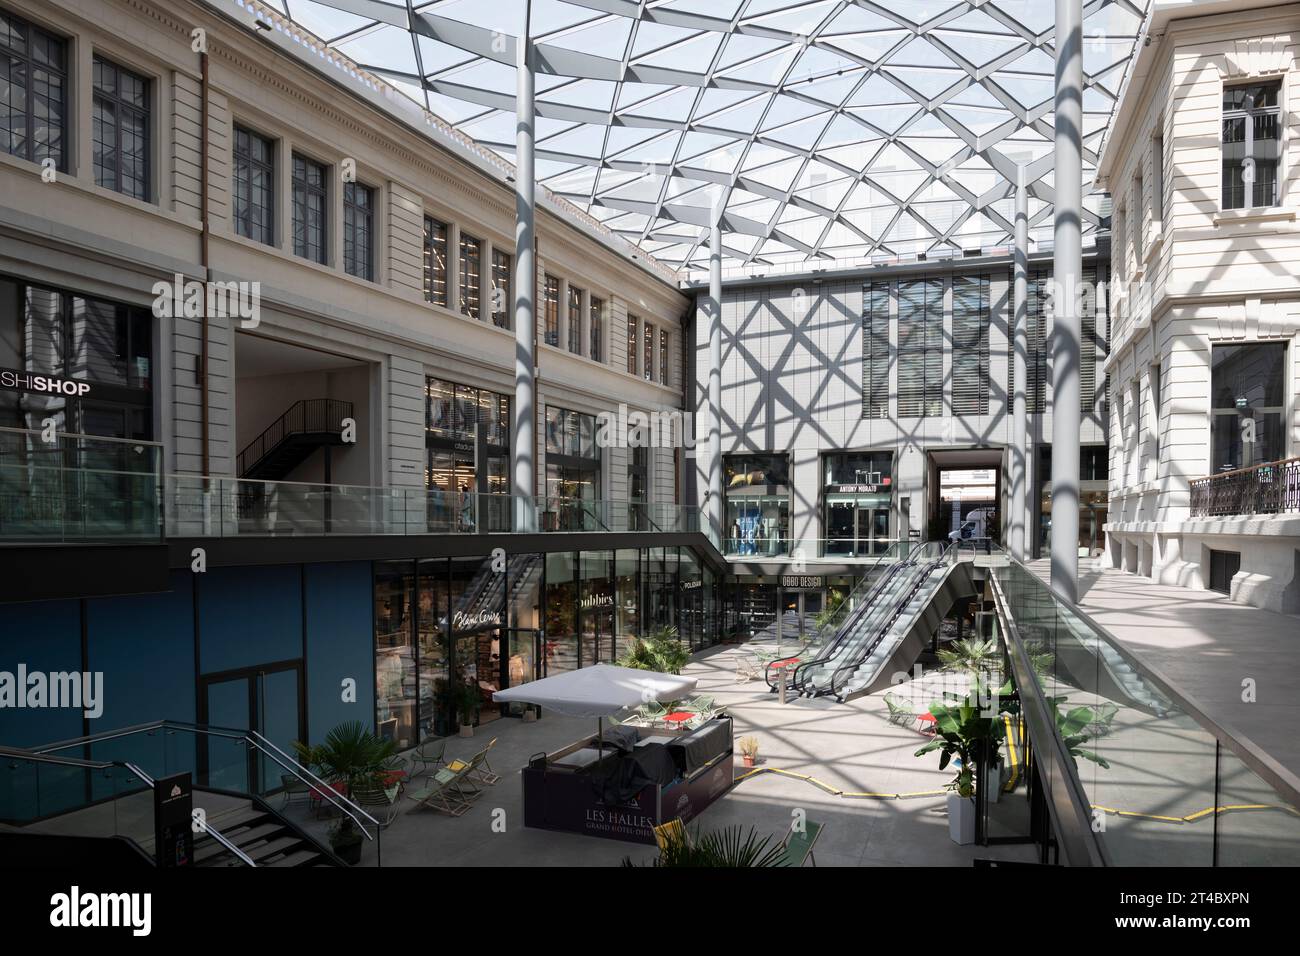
[1272, 488]
[58, 487]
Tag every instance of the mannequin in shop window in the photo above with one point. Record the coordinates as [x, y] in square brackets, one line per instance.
[466, 509]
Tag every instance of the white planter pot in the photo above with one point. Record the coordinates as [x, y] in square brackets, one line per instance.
[992, 783]
[961, 819]
[467, 730]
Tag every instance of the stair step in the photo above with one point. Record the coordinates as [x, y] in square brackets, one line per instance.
[242, 838]
[273, 848]
[301, 858]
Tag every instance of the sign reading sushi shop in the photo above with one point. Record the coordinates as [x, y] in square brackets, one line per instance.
[19, 381]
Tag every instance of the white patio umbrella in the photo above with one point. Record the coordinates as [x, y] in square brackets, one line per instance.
[600, 691]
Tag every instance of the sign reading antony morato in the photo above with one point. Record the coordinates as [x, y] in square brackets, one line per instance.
[18, 381]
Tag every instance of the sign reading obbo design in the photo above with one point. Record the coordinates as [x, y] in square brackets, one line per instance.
[19, 381]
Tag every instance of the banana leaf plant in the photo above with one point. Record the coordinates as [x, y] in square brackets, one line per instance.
[965, 730]
[1073, 726]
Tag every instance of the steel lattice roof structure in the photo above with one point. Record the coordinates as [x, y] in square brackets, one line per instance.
[831, 132]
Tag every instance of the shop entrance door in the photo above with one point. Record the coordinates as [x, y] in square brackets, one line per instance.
[266, 699]
[523, 651]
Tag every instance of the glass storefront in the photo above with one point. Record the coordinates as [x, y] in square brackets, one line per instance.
[468, 442]
[757, 504]
[1248, 405]
[1094, 498]
[857, 496]
[573, 469]
[103, 345]
[448, 634]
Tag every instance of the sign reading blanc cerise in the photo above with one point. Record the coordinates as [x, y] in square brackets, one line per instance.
[16, 380]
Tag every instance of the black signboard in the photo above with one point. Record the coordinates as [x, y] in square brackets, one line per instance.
[173, 809]
[803, 582]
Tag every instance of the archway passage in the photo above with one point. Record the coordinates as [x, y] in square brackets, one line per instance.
[965, 493]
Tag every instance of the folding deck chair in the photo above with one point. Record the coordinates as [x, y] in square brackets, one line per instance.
[442, 794]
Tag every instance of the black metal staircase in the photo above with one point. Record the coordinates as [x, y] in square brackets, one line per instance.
[288, 441]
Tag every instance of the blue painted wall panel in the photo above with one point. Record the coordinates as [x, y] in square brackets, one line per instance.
[249, 616]
[340, 644]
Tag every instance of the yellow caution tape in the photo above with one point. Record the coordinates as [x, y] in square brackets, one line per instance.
[835, 791]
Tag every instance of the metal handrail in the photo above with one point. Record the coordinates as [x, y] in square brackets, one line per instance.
[208, 828]
[863, 607]
[301, 409]
[78, 435]
[326, 791]
[881, 632]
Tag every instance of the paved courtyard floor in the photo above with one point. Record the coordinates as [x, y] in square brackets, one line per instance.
[848, 747]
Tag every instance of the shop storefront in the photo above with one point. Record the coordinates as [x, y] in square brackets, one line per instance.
[468, 442]
[857, 496]
[1094, 498]
[757, 504]
[573, 471]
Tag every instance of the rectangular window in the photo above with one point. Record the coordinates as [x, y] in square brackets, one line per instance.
[1138, 224]
[1158, 180]
[503, 299]
[920, 348]
[632, 323]
[664, 371]
[435, 261]
[1036, 343]
[310, 210]
[970, 345]
[648, 368]
[359, 231]
[551, 311]
[471, 269]
[254, 186]
[596, 314]
[575, 320]
[120, 130]
[1251, 141]
[875, 350]
[1248, 402]
[33, 91]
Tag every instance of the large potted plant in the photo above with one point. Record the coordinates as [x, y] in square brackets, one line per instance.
[466, 704]
[964, 732]
[350, 755]
[661, 650]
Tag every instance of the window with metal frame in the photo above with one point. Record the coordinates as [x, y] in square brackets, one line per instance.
[920, 348]
[120, 129]
[575, 320]
[1251, 145]
[665, 370]
[596, 314]
[649, 353]
[253, 195]
[633, 324]
[471, 270]
[34, 92]
[435, 261]
[359, 230]
[310, 210]
[551, 311]
[970, 345]
[875, 350]
[502, 288]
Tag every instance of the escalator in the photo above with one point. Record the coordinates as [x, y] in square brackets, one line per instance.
[887, 633]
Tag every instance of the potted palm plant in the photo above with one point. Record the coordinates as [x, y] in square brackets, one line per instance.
[963, 734]
[466, 705]
[749, 750]
[350, 755]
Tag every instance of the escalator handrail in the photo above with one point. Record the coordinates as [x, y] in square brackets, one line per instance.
[848, 626]
[882, 632]
[845, 626]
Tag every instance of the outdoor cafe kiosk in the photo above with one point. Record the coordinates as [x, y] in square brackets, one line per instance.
[623, 781]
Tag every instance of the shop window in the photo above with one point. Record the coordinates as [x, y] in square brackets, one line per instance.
[1248, 402]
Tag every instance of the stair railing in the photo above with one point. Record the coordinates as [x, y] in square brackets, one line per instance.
[306, 416]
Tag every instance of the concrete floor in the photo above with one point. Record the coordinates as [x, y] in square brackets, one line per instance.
[850, 747]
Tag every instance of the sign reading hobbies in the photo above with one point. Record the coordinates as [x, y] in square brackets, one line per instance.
[19, 381]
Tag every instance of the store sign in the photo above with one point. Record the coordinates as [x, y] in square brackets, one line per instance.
[859, 489]
[462, 621]
[173, 811]
[598, 600]
[18, 381]
[803, 582]
[691, 585]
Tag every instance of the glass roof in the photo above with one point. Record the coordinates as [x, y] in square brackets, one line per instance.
[833, 133]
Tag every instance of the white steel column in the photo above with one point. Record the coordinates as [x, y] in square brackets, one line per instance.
[1018, 497]
[523, 443]
[714, 499]
[1068, 277]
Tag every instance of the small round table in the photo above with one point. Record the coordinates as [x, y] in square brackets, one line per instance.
[677, 717]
